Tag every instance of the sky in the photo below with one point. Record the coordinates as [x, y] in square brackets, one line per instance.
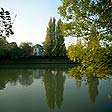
[32, 19]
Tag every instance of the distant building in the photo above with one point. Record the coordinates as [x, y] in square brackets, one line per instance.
[38, 50]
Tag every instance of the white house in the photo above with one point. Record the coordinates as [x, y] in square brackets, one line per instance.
[38, 50]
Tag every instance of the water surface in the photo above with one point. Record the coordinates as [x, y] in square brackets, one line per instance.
[52, 90]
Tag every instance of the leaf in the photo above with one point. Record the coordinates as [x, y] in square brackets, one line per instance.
[2, 9]
[7, 12]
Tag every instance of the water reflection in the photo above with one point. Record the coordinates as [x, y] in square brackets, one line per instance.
[23, 77]
[53, 82]
[93, 88]
[54, 87]
[91, 79]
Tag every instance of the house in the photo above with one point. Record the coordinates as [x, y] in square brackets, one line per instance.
[38, 50]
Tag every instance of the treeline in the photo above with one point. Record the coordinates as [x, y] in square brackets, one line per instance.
[13, 51]
[52, 46]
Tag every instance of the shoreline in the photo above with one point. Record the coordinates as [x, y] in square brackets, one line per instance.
[38, 62]
[38, 66]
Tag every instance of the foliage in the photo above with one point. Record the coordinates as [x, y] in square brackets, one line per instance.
[54, 41]
[49, 39]
[76, 52]
[26, 48]
[6, 31]
[80, 15]
[5, 24]
[3, 47]
[59, 49]
[9, 50]
[92, 21]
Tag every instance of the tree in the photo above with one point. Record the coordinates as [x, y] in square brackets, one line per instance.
[3, 47]
[48, 44]
[26, 48]
[5, 31]
[14, 51]
[54, 41]
[59, 49]
[5, 24]
[81, 15]
[92, 21]
[76, 52]
[13, 45]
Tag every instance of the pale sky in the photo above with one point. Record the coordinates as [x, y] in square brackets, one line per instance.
[32, 19]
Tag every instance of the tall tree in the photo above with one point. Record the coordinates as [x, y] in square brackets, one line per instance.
[49, 39]
[92, 21]
[54, 41]
[60, 49]
[53, 29]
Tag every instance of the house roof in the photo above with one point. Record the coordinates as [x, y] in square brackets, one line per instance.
[37, 45]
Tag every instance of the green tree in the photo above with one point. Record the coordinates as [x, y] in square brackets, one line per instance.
[53, 34]
[54, 41]
[4, 47]
[26, 48]
[13, 45]
[76, 52]
[80, 15]
[48, 44]
[92, 22]
[59, 49]
[15, 52]
[5, 31]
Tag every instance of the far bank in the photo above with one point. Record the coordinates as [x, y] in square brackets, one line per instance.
[37, 62]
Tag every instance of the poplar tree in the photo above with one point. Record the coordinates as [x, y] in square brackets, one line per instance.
[48, 39]
[60, 49]
[54, 41]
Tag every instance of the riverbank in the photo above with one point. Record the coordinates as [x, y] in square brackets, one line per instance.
[37, 66]
[37, 62]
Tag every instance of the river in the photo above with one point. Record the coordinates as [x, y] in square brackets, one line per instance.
[52, 90]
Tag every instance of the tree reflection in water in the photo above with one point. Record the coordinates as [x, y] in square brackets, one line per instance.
[93, 88]
[92, 79]
[54, 87]
[23, 77]
[54, 81]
